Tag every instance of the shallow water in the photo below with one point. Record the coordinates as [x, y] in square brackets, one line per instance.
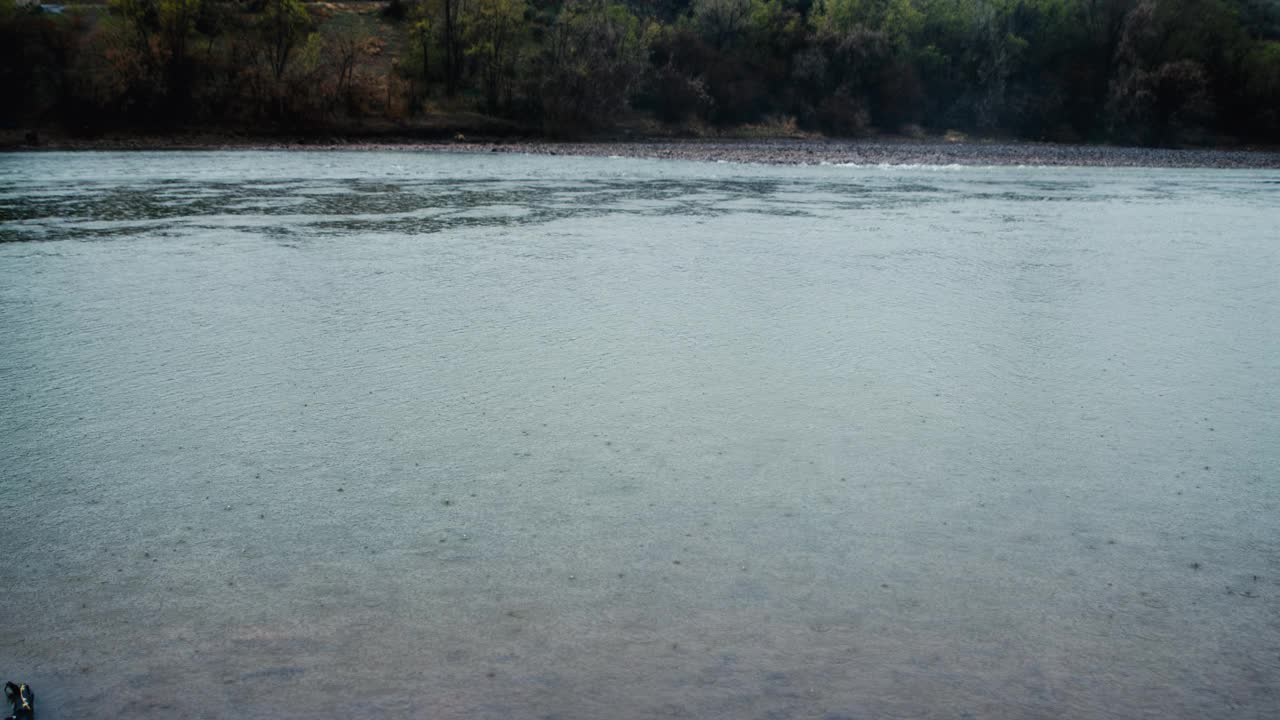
[324, 434]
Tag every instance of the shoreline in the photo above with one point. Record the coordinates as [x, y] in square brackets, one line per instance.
[774, 151]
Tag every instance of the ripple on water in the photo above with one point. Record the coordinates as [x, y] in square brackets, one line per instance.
[524, 437]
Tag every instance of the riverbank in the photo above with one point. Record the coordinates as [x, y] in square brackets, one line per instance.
[896, 152]
[781, 151]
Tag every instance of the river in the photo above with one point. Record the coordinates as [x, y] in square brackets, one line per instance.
[396, 434]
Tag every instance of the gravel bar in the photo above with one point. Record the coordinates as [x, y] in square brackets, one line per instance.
[882, 152]
[768, 151]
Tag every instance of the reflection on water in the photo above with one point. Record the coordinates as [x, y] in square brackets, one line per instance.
[406, 435]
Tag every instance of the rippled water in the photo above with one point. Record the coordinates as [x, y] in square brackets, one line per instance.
[322, 434]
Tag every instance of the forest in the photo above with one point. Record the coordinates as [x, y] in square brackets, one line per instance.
[1148, 72]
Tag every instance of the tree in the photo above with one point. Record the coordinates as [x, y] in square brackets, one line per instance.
[421, 32]
[451, 27]
[492, 31]
[591, 62]
[1155, 100]
[177, 23]
[284, 25]
[1262, 87]
[141, 19]
[344, 38]
[720, 21]
[995, 53]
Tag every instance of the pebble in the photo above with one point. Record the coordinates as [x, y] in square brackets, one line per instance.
[893, 151]
[887, 150]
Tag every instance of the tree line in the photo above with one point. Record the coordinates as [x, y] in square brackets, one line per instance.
[1134, 71]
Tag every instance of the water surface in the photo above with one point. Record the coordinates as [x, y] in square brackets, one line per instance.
[328, 434]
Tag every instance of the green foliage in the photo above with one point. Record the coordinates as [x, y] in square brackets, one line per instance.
[421, 38]
[177, 18]
[771, 19]
[1262, 68]
[1150, 71]
[899, 20]
[721, 21]
[344, 38]
[284, 24]
[446, 18]
[591, 62]
[140, 17]
[492, 30]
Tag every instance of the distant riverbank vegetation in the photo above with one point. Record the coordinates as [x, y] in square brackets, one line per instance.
[1153, 72]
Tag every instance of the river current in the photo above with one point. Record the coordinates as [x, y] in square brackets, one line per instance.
[396, 434]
